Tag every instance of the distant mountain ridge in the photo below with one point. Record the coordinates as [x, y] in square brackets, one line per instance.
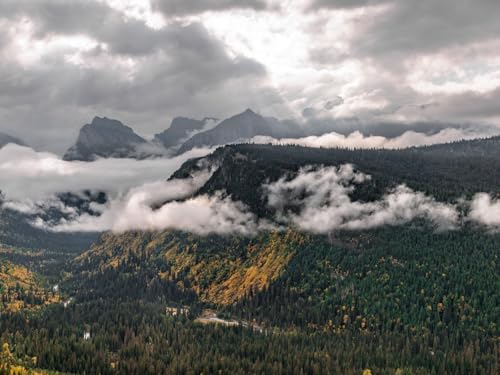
[109, 138]
[181, 128]
[105, 137]
[240, 127]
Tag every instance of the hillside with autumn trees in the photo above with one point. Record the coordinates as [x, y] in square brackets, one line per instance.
[395, 299]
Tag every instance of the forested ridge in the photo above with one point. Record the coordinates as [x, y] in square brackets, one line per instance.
[445, 175]
[403, 299]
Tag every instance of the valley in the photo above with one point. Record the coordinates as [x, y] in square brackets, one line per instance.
[403, 297]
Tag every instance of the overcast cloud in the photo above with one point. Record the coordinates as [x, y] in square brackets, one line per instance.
[63, 62]
[172, 8]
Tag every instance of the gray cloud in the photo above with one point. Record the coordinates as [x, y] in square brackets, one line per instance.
[448, 43]
[184, 7]
[332, 103]
[135, 73]
[318, 110]
[469, 105]
[341, 4]
[414, 26]
[428, 25]
[144, 76]
[91, 18]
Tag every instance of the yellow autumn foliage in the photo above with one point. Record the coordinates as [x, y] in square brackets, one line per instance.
[14, 276]
[216, 277]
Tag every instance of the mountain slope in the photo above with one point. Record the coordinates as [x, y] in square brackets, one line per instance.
[242, 170]
[397, 299]
[105, 137]
[484, 147]
[240, 127]
[447, 176]
[180, 129]
[219, 270]
[6, 139]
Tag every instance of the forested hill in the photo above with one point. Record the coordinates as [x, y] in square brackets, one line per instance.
[397, 299]
[447, 175]
[483, 147]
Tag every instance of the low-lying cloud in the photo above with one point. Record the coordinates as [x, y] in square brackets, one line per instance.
[26, 174]
[318, 201]
[144, 208]
[358, 140]
[485, 210]
[315, 200]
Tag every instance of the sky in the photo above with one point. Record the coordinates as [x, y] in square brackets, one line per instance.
[143, 62]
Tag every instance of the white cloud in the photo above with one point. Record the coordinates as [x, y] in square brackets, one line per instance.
[137, 191]
[136, 211]
[318, 201]
[358, 140]
[485, 210]
[315, 201]
[26, 174]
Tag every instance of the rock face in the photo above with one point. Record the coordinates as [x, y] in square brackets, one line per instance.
[181, 129]
[6, 139]
[239, 128]
[105, 138]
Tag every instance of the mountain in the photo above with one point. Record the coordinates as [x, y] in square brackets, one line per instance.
[181, 129]
[342, 295]
[6, 139]
[240, 127]
[106, 138]
[402, 299]
[447, 175]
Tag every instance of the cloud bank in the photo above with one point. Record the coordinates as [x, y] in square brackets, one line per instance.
[358, 140]
[144, 208]
[26, 174]
[319, 201]
[315, 200]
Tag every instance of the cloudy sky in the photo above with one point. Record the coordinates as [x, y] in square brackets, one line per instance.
[143, 62]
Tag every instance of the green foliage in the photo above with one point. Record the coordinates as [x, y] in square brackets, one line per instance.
[395, 300]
